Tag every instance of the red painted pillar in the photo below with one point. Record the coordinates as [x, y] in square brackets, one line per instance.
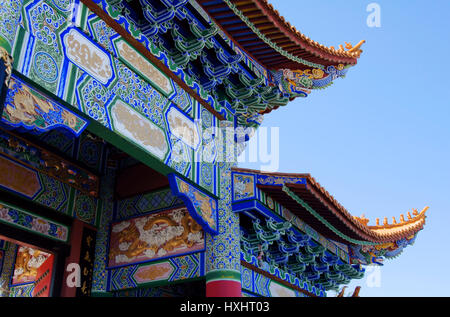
[223, 288]
[75, 256]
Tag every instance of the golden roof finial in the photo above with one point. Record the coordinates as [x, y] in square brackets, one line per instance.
[362, 219]
[354, 49]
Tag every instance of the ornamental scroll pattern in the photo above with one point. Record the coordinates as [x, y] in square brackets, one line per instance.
[298, 81]
[9, 20]
[67, 50]
[161, 272]
[279, 180]
[146, 203]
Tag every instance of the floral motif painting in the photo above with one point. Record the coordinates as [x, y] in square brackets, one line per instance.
[30, 222]
[154, 236]
[28, 261]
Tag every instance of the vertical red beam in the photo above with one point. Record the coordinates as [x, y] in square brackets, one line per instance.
[74, 256]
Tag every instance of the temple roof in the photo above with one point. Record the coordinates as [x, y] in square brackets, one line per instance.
[263, 33]
[312, 203]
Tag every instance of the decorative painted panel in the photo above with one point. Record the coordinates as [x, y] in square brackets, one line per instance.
[27, 263]
[183, 127]
[153, 272]
[202, 207]
[87, 55]
[155, 236]
[26, 220]
[142, 66]
[243, 186]
[52, 193]
[160, 272]
[279, 180]
[19, 178]
[85, 207]
[27, 108]
[141, 131]
[37, 158]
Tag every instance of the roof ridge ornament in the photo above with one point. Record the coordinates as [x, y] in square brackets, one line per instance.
[416, 216]
[355, 50]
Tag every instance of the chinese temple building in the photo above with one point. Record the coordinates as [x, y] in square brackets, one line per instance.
[120, 126]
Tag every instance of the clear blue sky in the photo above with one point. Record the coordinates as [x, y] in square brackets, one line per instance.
[379, 139]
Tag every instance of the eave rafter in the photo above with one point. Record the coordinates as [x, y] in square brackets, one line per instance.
[211, 43]
[263, 20]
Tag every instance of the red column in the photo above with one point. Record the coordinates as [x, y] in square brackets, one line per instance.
[223, 283]
[223, 288]
[74, 256]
